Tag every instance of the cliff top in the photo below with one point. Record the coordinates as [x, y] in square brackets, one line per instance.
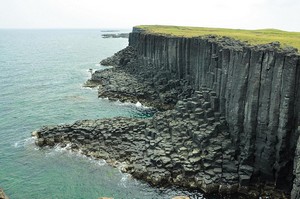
[253, 37]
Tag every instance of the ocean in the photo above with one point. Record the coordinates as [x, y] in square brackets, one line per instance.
[42, 73]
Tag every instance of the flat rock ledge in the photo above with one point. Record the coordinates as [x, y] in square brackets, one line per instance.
[132, 80]
[188, 146]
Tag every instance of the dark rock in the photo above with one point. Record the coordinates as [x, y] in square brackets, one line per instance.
[246, 91]
[40, 142]
[240, 130]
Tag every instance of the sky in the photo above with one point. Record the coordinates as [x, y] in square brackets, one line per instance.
[239, 14]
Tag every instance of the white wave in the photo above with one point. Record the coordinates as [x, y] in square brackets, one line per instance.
[119, 103]
[66, 150]
[59, 148]
[25, 142]
[101, 162]
[104, 98]
[124, 179]
[88, 88]
[138, 104]
[98, 162]
[145, 107]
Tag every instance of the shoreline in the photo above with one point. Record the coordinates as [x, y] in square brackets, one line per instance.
[187, 143]
[176, 147]
[130, 81]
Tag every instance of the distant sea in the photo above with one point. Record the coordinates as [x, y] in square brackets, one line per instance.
[41, 83]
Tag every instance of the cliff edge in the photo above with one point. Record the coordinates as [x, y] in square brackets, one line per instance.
[230, 120]
[258, 88]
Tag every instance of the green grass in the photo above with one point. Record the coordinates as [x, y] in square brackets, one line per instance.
[253, 37]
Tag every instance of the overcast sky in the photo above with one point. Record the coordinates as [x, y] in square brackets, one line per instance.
[245, 14]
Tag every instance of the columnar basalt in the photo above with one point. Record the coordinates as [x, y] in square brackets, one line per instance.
[134, 81]
[258, 88]
[176, 147]
[232, 119]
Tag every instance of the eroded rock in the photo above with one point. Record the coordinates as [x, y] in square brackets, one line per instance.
[160, 150]
[236, 132]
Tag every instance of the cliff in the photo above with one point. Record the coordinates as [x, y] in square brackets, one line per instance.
[228, 121]
[258, 90]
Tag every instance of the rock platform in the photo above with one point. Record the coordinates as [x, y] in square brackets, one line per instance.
[131, 81]
[188, 146]
[176, 147]
[187, 143]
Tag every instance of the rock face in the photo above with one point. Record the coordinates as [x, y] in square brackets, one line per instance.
[296, 186]
[230, 121]
[132, 80]
[258, 88]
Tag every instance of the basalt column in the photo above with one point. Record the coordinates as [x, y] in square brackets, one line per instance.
[258, 92]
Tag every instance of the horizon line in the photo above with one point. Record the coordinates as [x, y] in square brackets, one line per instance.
[115, 28]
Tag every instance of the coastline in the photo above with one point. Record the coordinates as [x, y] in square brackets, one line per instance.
[131, 81]
[191, 141]
[187, 144]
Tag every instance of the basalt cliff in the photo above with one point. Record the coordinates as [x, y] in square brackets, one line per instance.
[258, 90]
[229, 117]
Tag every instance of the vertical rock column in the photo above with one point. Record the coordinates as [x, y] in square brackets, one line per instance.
[287, 129]
[296, 185]
[258, 91]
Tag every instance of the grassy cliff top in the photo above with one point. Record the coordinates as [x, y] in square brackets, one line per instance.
[253, 37]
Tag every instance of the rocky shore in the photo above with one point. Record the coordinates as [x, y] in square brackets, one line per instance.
[188, 146]
[202, 137]
[176, 147]
[132, 81]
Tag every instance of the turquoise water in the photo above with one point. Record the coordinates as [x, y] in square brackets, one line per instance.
[41, 78]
